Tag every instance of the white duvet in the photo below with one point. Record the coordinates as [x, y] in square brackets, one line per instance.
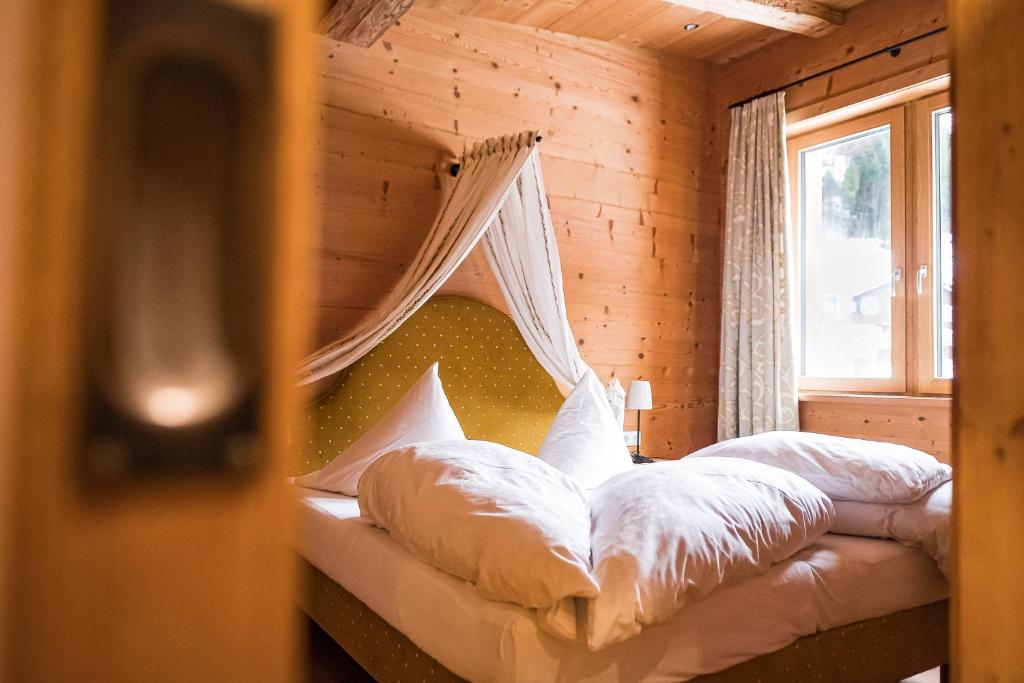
[844, 468]
[646, 543]
[882, 490]
[666, 535]
[923, 524]
[512, 525]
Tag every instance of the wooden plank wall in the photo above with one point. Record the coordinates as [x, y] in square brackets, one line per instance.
[875, 24]
[631, 166]
[922, 423]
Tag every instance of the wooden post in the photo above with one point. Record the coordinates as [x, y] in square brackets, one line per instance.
[988, 423]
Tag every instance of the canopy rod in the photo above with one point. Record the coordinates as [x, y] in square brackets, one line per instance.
[893, 50]
[456, 166]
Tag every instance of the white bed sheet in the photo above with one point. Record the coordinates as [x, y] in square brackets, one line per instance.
[836, 581]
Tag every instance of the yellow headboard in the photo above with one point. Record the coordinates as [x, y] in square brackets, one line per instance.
[497, 388]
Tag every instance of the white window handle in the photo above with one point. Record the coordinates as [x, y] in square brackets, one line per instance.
[897, 275]
[922, 273]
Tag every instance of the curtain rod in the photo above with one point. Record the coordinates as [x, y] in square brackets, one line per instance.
[454, 170]
[893, 50]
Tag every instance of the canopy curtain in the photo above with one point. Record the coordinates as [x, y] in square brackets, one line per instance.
[499, 186]
[521, 250]
[757, 379]
[485, 177]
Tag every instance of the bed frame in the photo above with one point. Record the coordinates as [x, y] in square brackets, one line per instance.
[500, 393]
[882, 650]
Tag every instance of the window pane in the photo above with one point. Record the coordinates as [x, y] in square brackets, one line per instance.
[846, 257]
[942, 169]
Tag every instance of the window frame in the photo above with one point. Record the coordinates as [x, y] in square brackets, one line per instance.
[895, 118]
[924, 360]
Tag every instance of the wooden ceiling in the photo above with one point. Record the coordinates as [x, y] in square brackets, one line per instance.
[658, 24]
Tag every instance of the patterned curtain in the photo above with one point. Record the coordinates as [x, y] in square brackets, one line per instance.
[757, 378]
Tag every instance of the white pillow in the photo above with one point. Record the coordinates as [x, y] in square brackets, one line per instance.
[584, 441]
[922, 524]
[517, 528]
[845, 469]
[423, 414]
[666, 535]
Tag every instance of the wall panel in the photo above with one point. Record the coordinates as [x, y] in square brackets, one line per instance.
[631, 169]
[921, 423]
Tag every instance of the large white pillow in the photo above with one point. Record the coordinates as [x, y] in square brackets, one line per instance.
[666, 535]
[845, 469]
[502, 519]
[924, 524]
[423, 414]
[584, 441]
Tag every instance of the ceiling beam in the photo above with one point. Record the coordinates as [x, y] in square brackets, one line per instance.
[806, 17]
[362, 22]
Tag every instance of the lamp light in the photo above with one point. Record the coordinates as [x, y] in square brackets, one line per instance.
[639, 398]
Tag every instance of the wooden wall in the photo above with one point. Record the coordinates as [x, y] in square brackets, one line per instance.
[631, 166]
[918, 422]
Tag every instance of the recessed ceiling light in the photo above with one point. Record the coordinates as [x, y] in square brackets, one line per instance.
[691, 27]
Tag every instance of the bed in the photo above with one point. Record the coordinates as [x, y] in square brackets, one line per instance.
[844, 609]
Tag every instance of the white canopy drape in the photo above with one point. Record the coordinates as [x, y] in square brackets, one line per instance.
[521, 249]
[485, 177]
[499, 186]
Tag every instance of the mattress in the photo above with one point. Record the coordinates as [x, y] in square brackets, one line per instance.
[836, 581]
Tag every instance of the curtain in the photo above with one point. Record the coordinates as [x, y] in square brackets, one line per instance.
[521, 250]
[485, 178]
[616, 399]
[757, 378]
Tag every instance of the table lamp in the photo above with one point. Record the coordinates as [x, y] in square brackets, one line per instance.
[639, 398]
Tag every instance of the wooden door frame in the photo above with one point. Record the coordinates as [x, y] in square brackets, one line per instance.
[988, 400]
[187, 578]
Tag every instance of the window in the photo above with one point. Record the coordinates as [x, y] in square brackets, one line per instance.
[933, 263]
[864, 323]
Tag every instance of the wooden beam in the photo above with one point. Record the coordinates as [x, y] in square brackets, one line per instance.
[806, 17]
[362, 22]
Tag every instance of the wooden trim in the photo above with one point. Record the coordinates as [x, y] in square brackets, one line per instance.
[805, 17]
[921, 218]
[904, 400]
[895, 120]
[905, 87]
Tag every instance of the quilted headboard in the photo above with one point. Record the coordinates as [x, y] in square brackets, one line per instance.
[497, 388]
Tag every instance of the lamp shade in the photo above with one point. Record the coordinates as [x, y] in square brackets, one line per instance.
[639, 397]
